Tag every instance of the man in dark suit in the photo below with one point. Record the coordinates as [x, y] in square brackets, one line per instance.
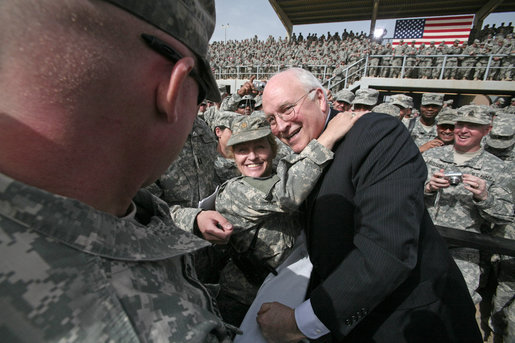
[381, 272]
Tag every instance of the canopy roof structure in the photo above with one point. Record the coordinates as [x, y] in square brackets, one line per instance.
[301, 12]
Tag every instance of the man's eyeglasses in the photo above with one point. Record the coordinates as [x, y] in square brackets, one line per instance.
[170, 53]
[288, 112]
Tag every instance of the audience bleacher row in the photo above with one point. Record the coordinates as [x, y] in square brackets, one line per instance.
[487, 54]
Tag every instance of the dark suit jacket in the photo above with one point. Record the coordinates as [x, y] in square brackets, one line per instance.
[381, 272]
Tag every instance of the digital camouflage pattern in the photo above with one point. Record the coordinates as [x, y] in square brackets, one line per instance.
[432, 99]
[502, 320]
[190, 21]
[366, 96]
[225, 169]
[454, 206]
[419, 134]
[191, 177]
[387, 108]
[270, 204]
[70, 273]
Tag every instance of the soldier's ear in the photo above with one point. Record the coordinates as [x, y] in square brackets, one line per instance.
[176, 89]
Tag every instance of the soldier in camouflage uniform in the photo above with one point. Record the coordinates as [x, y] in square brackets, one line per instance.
[482, 60]
[92, 114]
[444, 130]
[470, 61]
[451, 65]
[244, 97]
[263, 205]
[411, 60]
[482, 195]
[225, 168]
[397, 59]
[438, 61]
[426, 63]
[343, 100]
[404, 103]
[423, 128]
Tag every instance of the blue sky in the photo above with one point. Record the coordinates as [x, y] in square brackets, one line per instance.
[246, 18]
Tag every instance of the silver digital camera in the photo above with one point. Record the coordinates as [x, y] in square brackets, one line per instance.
[453, 177]
[259, 85]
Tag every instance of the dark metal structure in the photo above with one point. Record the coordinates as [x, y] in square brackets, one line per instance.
[300, 12]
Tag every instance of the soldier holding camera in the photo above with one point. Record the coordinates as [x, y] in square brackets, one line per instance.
[243, 100]
[467, 187]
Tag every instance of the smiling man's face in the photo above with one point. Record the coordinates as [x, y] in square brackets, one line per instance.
[308, 117]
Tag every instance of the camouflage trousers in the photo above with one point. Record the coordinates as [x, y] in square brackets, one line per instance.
[468, 263]
[450, 68]
[502, 320]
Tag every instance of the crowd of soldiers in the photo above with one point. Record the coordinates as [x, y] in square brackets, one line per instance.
[432, 128]
[334, 57]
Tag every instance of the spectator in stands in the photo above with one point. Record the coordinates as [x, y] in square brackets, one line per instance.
[411, 60]
[479, 195]
[397, 59]
[438, 61]
[451, 66]
[482, 60]
[426, 63]
[423, 128]
[471, 60]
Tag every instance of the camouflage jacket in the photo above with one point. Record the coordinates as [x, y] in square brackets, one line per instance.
[225, 169]
[454, 206]
[191, 177]
[419, 134]
[70, 273]
[271, 205]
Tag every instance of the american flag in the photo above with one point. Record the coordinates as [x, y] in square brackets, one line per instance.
[437, 29]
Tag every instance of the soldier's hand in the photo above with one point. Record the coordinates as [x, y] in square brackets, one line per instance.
[436, 182]
[338, 127]
[248, 87]
[475, 185]
[214, 227]
[431, 144]
[277, 323]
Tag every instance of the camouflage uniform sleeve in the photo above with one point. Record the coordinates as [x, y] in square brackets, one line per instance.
[298, 174]
[184, 217]
[498, 206]
[230, 103]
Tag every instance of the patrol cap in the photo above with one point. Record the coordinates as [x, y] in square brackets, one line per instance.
[225, 119]
[387, 108]
[249, 129]
[247, 98]
[432, 99]
[344, 95]
[192, 22]
[402, 100]
[366, 96]
[476, 41]
[502, 135]
[447, 116]
[474, 114]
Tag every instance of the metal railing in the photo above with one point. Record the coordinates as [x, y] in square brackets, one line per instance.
[438, 67]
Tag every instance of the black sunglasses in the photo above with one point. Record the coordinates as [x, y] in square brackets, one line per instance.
[170, 53]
